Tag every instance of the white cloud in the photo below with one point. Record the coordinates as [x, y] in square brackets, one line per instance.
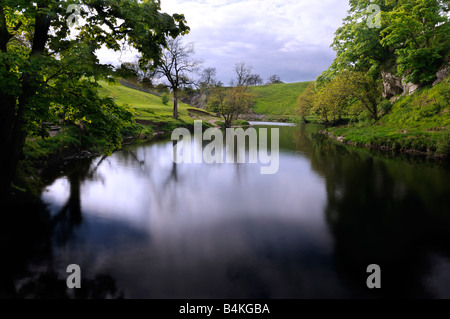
[287, 37]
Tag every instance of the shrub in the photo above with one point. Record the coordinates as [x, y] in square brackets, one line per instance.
[165, 99]
[443, 145]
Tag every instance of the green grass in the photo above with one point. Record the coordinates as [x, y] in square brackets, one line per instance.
[149, 109]
[278, 99]
[419, 122]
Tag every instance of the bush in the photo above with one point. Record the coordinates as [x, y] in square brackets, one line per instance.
[165, 99]
[161, 88]
[241, 123]
[385, 106]
[443, 145]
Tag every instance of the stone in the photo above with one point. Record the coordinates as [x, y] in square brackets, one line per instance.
[392, 85]
[409, 88]
[442, 74]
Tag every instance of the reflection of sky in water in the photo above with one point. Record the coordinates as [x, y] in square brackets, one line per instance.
[174, 225]
[146, 194]
[224, 230]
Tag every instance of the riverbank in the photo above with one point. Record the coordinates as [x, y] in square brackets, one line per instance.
[69, 145]
[418, 124]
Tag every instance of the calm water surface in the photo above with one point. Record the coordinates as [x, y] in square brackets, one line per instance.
[161, 230]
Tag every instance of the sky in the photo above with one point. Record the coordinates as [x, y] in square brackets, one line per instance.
[290, 38]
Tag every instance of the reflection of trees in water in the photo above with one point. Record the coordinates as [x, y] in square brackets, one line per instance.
[70, 215]
[378, 214]
[164, 182]
[26, 234]
[160, 183]
[49, 285]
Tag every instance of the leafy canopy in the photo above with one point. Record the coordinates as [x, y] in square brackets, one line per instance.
[49, 72]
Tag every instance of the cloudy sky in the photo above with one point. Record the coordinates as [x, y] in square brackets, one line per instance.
[290, 38]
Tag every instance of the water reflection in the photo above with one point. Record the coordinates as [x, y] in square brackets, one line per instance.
[163, 230]
[389, 212]
[28, 238]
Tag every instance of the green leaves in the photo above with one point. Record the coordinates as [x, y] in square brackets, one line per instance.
[413, 40]
[348, 94]
[59, 83]
[419, 31]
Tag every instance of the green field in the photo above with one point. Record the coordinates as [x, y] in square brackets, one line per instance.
[277, 99]
[144, 103]
[149, 108]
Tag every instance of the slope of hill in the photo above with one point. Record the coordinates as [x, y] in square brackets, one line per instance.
[149, 108]
[277, 99]
[419, 123]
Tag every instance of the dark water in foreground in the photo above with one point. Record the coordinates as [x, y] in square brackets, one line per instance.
[159, 230]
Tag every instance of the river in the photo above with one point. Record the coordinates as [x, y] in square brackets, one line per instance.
[157, 229]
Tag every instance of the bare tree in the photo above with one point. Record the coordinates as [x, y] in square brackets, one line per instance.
[255, 79]
[208, 77]
[177, 66]
[274, 79]
[243, 73]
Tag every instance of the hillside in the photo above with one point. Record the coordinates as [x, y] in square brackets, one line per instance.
[277, 99]
[419, 123]
[149, 109]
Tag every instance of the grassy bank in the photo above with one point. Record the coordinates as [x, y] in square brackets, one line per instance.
[419, 123]
[149, 110]
[278, 101]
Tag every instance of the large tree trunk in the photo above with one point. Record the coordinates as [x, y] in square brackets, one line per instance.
[7, 113]
[175, 104]
[13, 121]
[14, 135]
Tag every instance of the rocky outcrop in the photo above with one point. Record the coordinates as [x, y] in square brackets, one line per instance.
[408, 87]
[392, 85]
[442, 74]
[196, 99]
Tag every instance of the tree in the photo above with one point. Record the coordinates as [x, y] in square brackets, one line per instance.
[349, 93]
[162, 88]
[357, 43]
[132, 72]
[274, 79]
[177, 66]
[207, 84]
[230, 102]
[420, 32]
[45, 69]
[305, 101]
[208, 77]
[129, 70]
[255, 79]
[366, 93]
[243, 73]
[147, 82]
[165, 99]
[412, 40]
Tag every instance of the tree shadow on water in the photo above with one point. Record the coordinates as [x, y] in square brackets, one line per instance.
[384, 211]
[27, 234]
